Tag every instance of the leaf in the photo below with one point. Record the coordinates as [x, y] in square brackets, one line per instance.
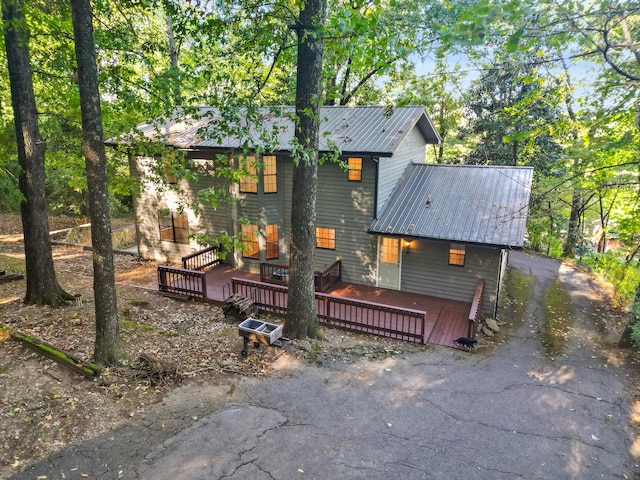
[513, 43]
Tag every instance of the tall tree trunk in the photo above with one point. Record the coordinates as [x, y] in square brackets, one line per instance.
[108, 349]
[173, 58]
[42, 285]
[301, 318]
[574, 230]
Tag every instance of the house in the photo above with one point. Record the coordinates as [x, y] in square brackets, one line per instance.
[392, 220]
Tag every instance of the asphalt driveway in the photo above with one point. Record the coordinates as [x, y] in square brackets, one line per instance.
[547, 403]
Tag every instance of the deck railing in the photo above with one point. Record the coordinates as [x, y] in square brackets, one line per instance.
[328, 277]
[323, 279]
[274, 273]
[202, 259]
[268, 297]
[367, 317]
[476, 309]
[182, 281]
[348, 314]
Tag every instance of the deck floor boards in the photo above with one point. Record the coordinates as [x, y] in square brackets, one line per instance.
[446, 319]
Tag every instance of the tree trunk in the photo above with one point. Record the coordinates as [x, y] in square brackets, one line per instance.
[42, 285]
[108, 349]
[173, 58]
[301, 318]
[573, 233]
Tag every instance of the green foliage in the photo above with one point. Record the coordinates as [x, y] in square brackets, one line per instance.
[625, 277]
[9, 190]
[510, 115]
[438, 93]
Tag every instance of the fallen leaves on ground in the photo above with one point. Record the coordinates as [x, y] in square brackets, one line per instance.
[44, 407]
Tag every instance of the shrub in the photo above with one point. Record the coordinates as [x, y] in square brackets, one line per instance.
[625, 277]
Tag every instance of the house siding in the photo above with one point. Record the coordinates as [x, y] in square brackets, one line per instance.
[348, 207]
[411, 150]
[151, 198]
[426, 271]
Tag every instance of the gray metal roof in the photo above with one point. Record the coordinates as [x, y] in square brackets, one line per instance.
[367, 130]
[461, 203]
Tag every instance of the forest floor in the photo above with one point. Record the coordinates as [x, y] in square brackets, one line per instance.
[45, 407]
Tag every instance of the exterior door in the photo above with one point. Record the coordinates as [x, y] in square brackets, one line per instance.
[389, 255]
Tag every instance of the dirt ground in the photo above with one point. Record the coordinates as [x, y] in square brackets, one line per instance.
[45, 407]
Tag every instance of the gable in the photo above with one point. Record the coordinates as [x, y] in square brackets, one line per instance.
[461, 203]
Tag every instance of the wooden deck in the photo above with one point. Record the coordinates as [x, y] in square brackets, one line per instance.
[446, 319]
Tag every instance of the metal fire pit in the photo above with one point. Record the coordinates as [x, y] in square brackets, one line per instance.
[258, 332]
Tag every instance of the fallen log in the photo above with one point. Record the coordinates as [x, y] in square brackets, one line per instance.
[11, 278]
[89, 370]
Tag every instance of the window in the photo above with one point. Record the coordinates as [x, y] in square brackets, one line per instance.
[272, 242]
[390, 247]
[326, 238]
[456, 255]
[269, 179]
[249, 182]
[250, 239]
[355, 169]
[174, 226]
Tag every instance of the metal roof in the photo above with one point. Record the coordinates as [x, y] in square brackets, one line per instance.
[372, 130]
[461, 203]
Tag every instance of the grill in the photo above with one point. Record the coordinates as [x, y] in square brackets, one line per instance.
[258, 332]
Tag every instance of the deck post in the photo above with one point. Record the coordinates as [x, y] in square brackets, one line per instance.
[203, 281]
[162, 279]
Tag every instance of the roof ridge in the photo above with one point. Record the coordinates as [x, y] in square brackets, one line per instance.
[457, 165]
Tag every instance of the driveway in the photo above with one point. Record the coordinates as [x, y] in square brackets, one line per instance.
[548, 402]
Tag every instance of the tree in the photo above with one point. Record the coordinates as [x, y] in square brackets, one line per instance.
[509, 115]
[42, 285]
[436, 91]
[107, 347]
[301, 318]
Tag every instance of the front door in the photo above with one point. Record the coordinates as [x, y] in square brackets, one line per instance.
[389, 262]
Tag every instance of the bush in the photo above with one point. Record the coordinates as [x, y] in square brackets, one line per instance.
[9, 189]
[625, 277]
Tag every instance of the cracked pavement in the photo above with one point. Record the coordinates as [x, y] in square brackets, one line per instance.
[513, 413]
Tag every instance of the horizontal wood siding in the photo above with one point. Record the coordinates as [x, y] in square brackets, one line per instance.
[411, 150]
[213, 220]
[426, 270]
[150, 199]
[348, 208]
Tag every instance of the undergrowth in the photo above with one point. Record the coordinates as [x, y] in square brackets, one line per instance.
[625, 279]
